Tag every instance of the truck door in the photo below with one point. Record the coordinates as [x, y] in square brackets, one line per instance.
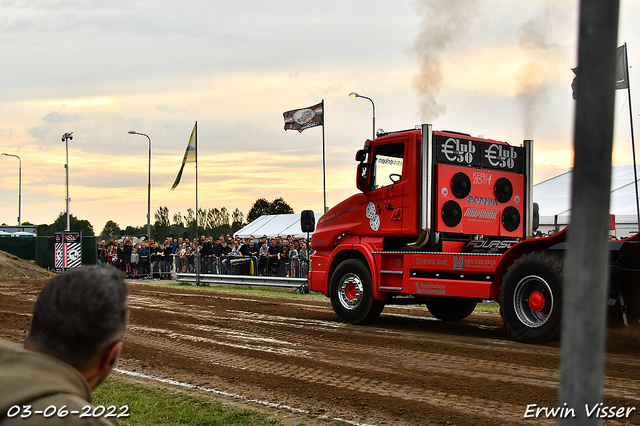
[386, 189]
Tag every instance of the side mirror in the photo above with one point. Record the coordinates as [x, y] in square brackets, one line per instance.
[536, 216]
[362, 180]
[361, 155]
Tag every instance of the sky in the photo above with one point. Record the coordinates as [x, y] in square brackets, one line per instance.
[496, 68]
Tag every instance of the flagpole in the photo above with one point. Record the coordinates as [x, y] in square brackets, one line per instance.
[324, 174]
[197, 240]
[633, 143]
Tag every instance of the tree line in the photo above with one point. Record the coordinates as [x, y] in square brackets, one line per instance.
[211, 222]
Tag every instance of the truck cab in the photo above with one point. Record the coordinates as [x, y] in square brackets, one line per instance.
[443, 219]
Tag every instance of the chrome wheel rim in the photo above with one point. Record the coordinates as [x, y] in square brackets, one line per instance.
[350, 291]
[533, 317]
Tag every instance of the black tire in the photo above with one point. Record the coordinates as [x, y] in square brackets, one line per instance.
[351, 293]
[531, 298]
[630, 291]
[448, 308]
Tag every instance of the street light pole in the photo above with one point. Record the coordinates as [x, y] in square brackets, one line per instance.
[4, 154]
[133, 132]
[355, 95]
[65, 138]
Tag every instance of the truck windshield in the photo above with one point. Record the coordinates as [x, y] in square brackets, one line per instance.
[387, 165]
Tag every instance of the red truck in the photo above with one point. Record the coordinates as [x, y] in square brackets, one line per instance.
[446, 219]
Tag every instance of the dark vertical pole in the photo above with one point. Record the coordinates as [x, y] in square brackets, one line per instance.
[633, 141]
[197, 239]
[149, 209]
[587, 256]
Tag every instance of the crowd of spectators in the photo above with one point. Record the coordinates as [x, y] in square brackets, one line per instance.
[276, 256]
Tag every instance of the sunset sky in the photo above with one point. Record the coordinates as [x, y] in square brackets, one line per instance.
[496, 68]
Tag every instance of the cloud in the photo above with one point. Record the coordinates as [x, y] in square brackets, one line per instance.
[58, 118]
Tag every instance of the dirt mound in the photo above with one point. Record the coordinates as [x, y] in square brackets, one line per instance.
[14, 267]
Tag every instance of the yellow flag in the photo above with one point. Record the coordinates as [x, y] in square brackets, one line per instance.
[189, 155]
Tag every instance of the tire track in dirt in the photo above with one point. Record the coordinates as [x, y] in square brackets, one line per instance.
[407, 369]
[414, 362]
[467, 404]
[421, 362]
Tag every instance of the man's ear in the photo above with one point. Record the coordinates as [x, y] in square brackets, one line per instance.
[110, 356]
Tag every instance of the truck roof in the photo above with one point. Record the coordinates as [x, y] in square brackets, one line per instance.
[446, 133]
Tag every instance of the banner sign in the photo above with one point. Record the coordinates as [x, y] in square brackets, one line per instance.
[68, 250]
[491, 155]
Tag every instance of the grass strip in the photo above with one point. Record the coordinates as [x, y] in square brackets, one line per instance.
[153, 406]
[492, 307]
[237, 289]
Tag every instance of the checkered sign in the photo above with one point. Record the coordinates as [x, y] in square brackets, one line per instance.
[68, 251]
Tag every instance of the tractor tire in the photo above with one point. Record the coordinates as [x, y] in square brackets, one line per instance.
[351, 293]
[531, 298]
[448, 308]
[631, 293]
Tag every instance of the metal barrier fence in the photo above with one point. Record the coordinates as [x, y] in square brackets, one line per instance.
[163, 268]
[242, 265]
[249, 280]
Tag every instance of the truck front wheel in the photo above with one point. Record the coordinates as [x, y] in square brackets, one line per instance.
[531, 298]
[351, 293]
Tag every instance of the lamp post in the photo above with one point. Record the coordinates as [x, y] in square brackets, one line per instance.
[4, 154]
[355, 95]
[133, 132]
[65, 138]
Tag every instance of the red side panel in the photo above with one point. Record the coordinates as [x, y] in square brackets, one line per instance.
[476, 209]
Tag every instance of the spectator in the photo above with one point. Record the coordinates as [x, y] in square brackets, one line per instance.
[100, 250]
[274, 257]
[244, 248]
[293, 261]
[193, 255]
[283, 268]
[205, 254]
[303, 256]
[235, 249]
[183, 257]
[113, 242]
[74, 343]
[120, 253]
[224, 257]
[153, 254]
[128, 249]
[168, 251]
[109, 250]
[176, 254]
[144, 259]
[135, 259]
[216, 253]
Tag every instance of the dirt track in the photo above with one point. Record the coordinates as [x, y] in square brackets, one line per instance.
[407, 369]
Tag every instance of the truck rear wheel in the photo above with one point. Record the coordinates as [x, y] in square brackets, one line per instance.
[351, 293]
[449, 308]
[630, 291]
[531, 298]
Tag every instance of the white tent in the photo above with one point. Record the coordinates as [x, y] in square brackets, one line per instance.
[23, 234]
[554, 199]
[274, 225]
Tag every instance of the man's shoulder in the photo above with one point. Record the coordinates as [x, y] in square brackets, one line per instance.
[38, 380]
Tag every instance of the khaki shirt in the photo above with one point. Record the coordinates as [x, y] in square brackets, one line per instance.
[36, 389]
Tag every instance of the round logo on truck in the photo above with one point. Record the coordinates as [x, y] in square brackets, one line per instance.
[374, 219]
